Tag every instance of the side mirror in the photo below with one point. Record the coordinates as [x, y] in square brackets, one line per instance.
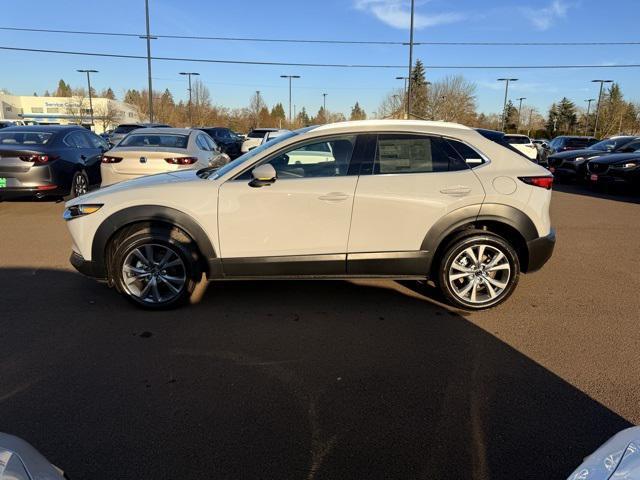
[263, 175]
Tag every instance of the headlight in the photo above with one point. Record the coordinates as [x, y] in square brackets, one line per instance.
[76, 211]
[626, 166]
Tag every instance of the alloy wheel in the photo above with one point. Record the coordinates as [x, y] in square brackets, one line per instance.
[80, 186]
[154, 273]
[480, 274]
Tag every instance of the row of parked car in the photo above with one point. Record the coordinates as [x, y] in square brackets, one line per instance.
[50, 160]
[613, 161]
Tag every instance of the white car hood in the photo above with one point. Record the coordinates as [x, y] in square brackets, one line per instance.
[147, 182]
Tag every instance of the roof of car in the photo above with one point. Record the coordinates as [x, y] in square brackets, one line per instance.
[392, 124]
[165, 131]
[44, 128]
[515, 135]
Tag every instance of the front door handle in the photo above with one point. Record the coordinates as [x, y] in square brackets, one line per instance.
[334, 197]
[83, 157]
[457, 191]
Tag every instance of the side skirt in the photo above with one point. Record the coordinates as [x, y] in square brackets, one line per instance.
[414, 265]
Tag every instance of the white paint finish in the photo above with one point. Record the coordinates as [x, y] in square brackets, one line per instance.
[303, 216]
[394, 212]
[504, 185]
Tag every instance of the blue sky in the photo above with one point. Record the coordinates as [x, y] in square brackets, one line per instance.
[386, 20]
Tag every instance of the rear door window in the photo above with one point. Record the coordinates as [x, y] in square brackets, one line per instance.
[399, 154]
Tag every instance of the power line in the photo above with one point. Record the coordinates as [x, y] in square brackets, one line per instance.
[325, 41]
[329, 65]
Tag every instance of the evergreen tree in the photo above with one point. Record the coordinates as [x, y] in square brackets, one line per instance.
[46, 93]
[552, 120]
[511, 117]
[63, 90]
[321, 117]
[277, 112]
[357, 113]
[419, 90]
[303, 117]
[108, 93]
[567, 115]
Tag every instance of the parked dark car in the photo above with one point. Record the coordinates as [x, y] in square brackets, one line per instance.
[124, 129]
[38, 160]
[565, 143]
[6, 124]
[615, 169]
[572, 165]
[228, 140]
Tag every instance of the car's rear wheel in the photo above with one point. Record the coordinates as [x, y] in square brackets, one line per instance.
[155, 267]
[478, 271]
[79, 184]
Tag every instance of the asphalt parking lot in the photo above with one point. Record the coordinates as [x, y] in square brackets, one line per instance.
[358, 379]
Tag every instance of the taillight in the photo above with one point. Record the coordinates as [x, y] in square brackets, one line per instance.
[109, 159]
[37, 158]
[542, 182]
[181, 160]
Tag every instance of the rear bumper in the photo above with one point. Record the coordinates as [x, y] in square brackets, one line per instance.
[24, 182]
[540, 251]
[86, 267]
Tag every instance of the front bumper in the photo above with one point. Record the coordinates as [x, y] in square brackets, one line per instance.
[540, 251]
[86, 267]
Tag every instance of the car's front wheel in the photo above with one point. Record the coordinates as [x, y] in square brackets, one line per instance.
[155, 268]
[478, 271]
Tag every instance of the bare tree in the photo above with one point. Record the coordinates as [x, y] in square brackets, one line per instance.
[256, 104]
[452, 99]
[77, 107]
[107, 115]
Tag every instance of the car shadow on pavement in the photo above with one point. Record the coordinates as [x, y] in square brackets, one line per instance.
[618, 194]
[279, 379]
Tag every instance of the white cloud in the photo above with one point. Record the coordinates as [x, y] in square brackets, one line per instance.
[397, 14]
[544, 18]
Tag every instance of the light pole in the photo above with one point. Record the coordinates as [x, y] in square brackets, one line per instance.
[410, 60]
[520, 110]
[148, 37]
[324, 102]
[290, 77]
[188, 74]
[405, 85]
[586, 123]
[601, 82]
[89, 72]
[506, 92]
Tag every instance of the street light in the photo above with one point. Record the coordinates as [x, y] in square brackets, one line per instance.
[601, 82]
[89, 72]
[290, 77]
[405, 84]
[586, 123]
[324, 106]
[188, 74]
[506, 92]
[520, 110]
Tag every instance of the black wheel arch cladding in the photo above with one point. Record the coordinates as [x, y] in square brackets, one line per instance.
[149, 213]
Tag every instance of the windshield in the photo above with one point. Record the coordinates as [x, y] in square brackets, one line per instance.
[257, 133]
[516, 139]
[25, 138]
[217, 173]
[155, 140]
[125, 128]
[610, 144]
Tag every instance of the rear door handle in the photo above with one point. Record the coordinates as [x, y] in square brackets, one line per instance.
[334, 197]
[457, 191]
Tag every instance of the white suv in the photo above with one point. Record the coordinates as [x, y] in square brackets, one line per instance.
[383, 198]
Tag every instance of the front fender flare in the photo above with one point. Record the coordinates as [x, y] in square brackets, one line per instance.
[148, 213]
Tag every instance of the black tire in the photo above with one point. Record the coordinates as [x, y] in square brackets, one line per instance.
[79, 184]
[486, 280]
[160, 239]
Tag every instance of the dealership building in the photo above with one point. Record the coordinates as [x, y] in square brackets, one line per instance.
[66, 111]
